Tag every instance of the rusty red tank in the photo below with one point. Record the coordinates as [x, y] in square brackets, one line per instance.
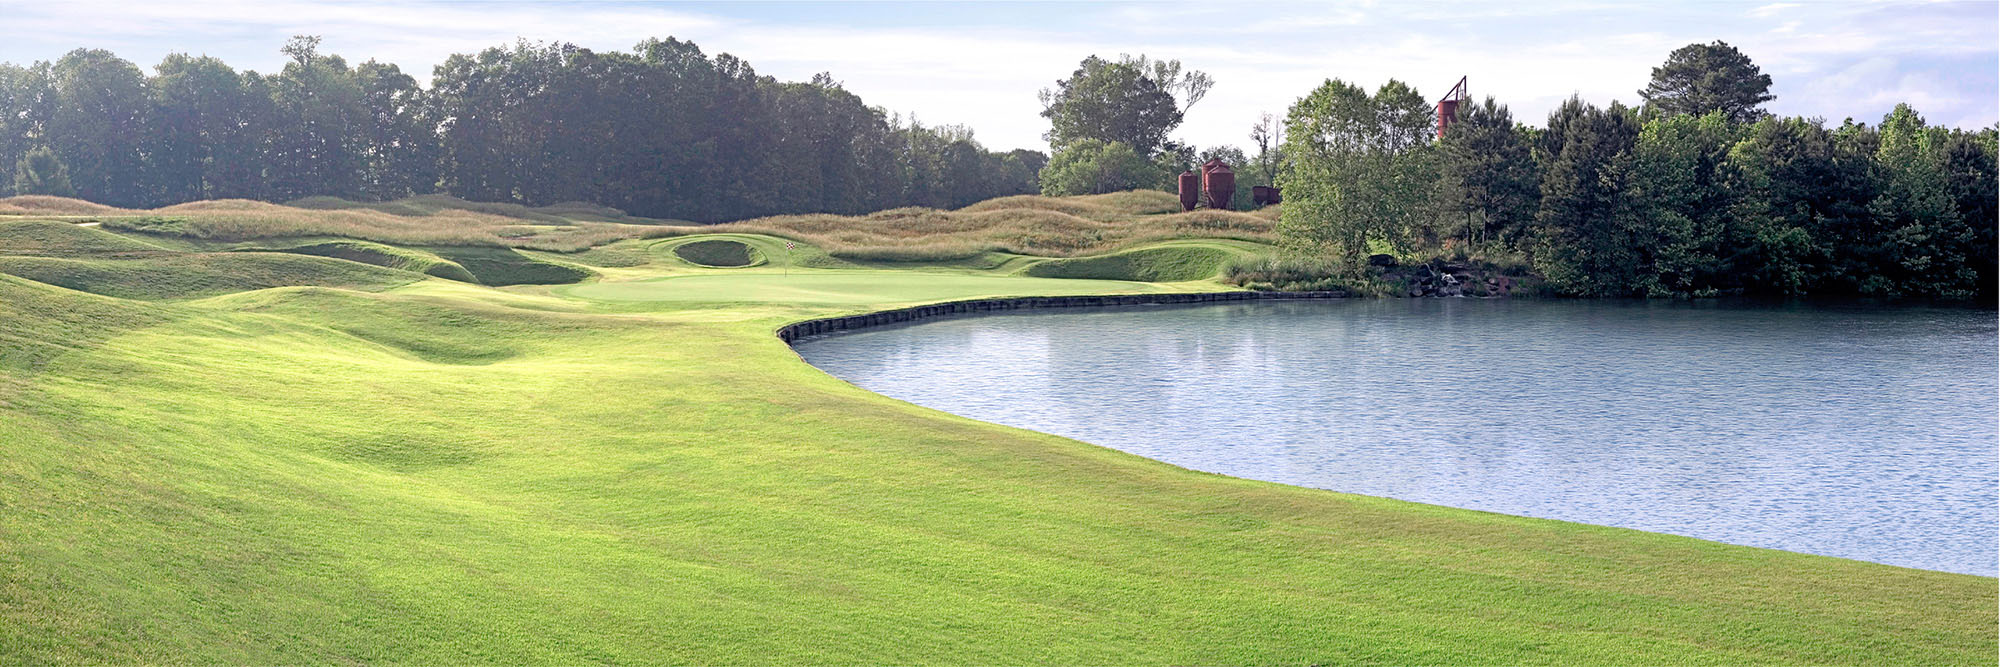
[1190, 189]
[1448, 107]
[1218, 182]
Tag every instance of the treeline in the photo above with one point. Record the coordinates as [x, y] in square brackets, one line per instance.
[1696, 192]
[663, 131]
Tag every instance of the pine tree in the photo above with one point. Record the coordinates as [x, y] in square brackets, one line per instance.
[1698, 79]
[41, 173]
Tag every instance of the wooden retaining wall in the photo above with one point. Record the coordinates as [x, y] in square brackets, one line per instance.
[795, 331]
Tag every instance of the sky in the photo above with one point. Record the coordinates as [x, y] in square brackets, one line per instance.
[981, 64]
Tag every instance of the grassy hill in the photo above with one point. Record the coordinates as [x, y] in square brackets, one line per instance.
[330, 460]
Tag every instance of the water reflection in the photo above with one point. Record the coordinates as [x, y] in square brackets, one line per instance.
[1849, 431]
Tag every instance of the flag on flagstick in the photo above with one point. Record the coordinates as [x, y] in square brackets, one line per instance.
[788, 256]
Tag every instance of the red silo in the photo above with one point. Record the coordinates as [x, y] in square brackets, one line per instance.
[1219, 182]
[1447, 112]
[1448, 107]
[1190, 190]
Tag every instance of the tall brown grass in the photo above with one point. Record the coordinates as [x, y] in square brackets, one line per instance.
[46, 205]
[1025, 224]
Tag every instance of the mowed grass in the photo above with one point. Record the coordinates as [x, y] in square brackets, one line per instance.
[451, 473]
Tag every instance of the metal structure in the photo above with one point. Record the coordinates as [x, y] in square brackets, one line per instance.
[1264, 195]
[1448, 107]
[1218, 182]
[1190, 189]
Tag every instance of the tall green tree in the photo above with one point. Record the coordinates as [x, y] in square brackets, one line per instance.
[1363, 171]
[399, 141]
[1134, 101]
[1489, 179]
[1699, 79]
[40, 172]
[97, 125]
[204, 138]
[1926, 242]
[1090, 166]
[317, 145]
[1686, 238]
[1800, 193]
[1588, 231]
[1969, 166]
[25, 100]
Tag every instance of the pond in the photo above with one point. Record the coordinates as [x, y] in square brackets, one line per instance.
[1856, 431]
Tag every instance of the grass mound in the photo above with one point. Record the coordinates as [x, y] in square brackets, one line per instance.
[1022, 225]
[616, 255]
[389, 256]
[441, 333]
[193, 275]
[563, 213]
[39, 322]
[1159, 264]
[52, 238]
[47, 205]
[504, 266]
[723, 253]
[1109, 206]
[421, 221]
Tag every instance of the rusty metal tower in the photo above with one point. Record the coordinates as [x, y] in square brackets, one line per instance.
[1448, 107]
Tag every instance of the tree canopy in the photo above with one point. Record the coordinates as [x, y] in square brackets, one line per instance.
[1134, 101]
[664, 130]
[1699, 79]
[1700, 194]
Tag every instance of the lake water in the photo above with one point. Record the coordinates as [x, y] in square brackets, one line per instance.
[1863, 432]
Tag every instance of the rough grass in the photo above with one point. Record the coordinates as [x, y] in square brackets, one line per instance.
[46, 205]
[1174, 262]
[427, 220]
[54, 238]
[424, 205]
[722, 253]
[1025, 225]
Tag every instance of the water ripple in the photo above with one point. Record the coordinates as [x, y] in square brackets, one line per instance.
[1857, 432]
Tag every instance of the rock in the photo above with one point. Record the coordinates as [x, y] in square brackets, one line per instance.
[1490, 280]
[1455, 268]
[1416, 292]
[1449, 279]
[1450, 290]
[1381, 260]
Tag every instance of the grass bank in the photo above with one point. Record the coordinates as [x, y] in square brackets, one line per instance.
[633, 469]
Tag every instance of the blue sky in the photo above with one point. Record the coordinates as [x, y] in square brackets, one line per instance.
[980, 64]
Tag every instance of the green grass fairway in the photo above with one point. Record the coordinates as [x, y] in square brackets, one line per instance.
[634, 470]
